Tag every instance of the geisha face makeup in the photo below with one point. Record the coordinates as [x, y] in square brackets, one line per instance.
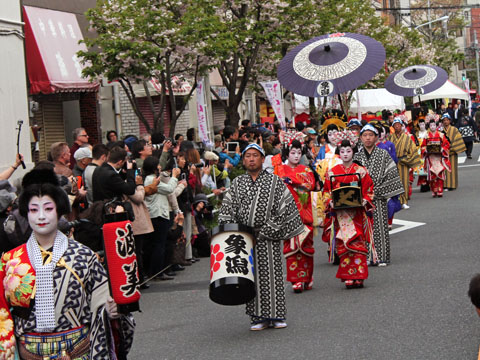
[346, 154]
[42, 215]
[294, 156]
[331, 136]
[433, 126]
[421, 125]
[382, 133]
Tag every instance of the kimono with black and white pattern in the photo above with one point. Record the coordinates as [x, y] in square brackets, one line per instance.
[76, 304]
[386, 183]
[266, 205]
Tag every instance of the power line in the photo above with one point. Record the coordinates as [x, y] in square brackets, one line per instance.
[443, 7]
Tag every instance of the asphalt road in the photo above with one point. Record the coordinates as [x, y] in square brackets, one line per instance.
[416, 308]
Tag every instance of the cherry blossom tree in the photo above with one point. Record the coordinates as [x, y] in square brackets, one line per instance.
[141, 40]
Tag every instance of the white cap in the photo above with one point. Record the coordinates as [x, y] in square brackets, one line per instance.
[82, 153]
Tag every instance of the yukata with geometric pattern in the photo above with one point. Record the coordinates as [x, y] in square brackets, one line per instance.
[408, 158]
[80, 297]
[436, 164]
[386, 183]
[299, 250]
[457, 146]
[267, 206]
[349, 230]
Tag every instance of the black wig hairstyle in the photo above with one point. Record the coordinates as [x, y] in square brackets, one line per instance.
[474, 291]
[40, 183]
[346, 143]
[294, 145]
[329, 128]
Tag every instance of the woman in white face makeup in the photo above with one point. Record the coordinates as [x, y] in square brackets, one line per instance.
[299, 250]
[422, 133]
[54, 286]
[435, 152]
[347, 227]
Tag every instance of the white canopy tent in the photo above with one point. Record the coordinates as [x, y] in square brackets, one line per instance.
[448, 90]
[374, 100]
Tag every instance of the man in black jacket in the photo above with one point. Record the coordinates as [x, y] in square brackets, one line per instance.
[107, 181]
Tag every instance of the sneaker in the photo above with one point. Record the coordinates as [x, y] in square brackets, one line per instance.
[279, 324]
[349, 284]
[405, 206]
[382, 264]
[446, 189]
[259, 326]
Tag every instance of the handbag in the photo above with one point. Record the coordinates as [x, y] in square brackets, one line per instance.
[178, 250]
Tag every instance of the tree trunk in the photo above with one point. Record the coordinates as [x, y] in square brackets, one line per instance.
[233, 117]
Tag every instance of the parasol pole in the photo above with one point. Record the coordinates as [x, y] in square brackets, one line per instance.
[341, 103]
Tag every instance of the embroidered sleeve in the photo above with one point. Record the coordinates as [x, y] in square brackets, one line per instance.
[7, 337]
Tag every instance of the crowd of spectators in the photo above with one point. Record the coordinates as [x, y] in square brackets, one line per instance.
[171, 188]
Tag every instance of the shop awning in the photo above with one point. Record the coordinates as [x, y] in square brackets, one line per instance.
[180, 87]
[51, 41]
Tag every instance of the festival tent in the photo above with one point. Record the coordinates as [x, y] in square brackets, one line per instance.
[373, 100]
[447, 91]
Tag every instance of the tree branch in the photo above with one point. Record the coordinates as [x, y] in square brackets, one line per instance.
[133, 101]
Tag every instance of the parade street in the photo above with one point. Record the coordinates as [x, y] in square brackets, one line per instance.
[416, 308]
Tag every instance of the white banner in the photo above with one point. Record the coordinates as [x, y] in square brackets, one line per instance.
[466, 82]
[202, 112]
[274, 95]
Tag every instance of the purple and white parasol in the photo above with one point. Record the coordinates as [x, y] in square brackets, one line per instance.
[416, 80]
[331, 64]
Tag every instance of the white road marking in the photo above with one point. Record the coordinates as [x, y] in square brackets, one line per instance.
[405, 225]
[461, 159]
[464, 166]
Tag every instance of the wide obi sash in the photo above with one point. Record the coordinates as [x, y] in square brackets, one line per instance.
[72, 345]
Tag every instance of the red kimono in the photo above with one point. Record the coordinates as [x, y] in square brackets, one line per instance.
[299, 250]
[349, 230]
[436, 164]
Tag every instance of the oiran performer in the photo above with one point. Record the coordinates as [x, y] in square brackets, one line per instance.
[54, 295]
[298, 250]
[435, 148]
[386, 183]
[262, 201]
[348, 229]
[407, 155]
[457, 146]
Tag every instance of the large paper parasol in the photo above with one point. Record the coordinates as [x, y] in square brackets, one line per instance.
[331, 64]
[416, 80]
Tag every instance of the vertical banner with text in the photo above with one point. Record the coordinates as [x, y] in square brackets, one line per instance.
[202, 112]
[274, 95]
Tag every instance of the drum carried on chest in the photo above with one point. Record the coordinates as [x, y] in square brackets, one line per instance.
[434, 146]
[232, 280]
[349, 194]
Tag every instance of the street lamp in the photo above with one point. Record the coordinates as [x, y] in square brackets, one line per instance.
[443, 18]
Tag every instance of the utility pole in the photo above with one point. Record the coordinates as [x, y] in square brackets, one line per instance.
[475, 48]
[428, 17]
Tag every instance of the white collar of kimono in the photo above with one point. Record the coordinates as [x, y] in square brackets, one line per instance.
[45, 292]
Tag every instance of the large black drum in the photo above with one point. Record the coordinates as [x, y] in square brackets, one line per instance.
[232, 280]
[347, 195]
[434, 146]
